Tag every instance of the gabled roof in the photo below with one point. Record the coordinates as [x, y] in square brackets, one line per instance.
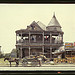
[34, 24]
[54, 21]
[41, 25]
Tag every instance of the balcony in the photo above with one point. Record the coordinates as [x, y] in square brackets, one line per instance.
[26, 42]
[37, 42]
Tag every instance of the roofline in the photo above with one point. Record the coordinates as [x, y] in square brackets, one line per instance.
[18, 31]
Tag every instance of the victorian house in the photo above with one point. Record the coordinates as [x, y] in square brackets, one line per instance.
[39, 39]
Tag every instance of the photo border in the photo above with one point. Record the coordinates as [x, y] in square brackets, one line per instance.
[36, 2]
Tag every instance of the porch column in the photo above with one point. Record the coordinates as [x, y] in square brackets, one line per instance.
[21, 51]
[43, 50]
[29, 37]
[50, 52]
[21, 35]
[59, 39]
[21, 38]
[50, 38]
[29, 51]
[62, 38]
[43, 37]
[65, 51]
[21, 44]
[16, 52]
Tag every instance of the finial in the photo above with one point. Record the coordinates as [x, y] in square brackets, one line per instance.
[54, 14]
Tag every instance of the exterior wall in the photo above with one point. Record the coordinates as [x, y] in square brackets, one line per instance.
[36, 51]
[33, 51]
[25, 52]
[38, 38]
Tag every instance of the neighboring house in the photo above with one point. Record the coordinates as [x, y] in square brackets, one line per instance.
[39, 39]
[7, 55]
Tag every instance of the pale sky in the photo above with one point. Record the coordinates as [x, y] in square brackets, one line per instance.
[17, 16]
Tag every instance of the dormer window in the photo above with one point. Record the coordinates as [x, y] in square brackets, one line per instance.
[33, 27]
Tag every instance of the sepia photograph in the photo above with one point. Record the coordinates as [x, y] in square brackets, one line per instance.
[37, 37]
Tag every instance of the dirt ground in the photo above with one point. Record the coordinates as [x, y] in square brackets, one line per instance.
[7, 64]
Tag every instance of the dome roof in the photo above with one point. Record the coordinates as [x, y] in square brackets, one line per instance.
[54, 22]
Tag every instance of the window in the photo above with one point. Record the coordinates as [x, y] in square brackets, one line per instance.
[33, 27]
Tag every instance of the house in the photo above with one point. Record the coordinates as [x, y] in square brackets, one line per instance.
[39, 39]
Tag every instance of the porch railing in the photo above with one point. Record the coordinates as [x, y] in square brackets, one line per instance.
[35, 42]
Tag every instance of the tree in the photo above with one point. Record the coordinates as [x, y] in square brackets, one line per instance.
[1, 55]
[13, 53]
[7, 55]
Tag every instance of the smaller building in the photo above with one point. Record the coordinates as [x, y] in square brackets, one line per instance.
[70, 49]
[60, 53]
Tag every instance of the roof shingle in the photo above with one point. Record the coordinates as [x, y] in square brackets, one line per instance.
[54, 22]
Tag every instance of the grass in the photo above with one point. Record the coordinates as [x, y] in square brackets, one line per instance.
[6, 63]
[3, 63]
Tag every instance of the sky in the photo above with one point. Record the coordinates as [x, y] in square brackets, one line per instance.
[18, 16]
